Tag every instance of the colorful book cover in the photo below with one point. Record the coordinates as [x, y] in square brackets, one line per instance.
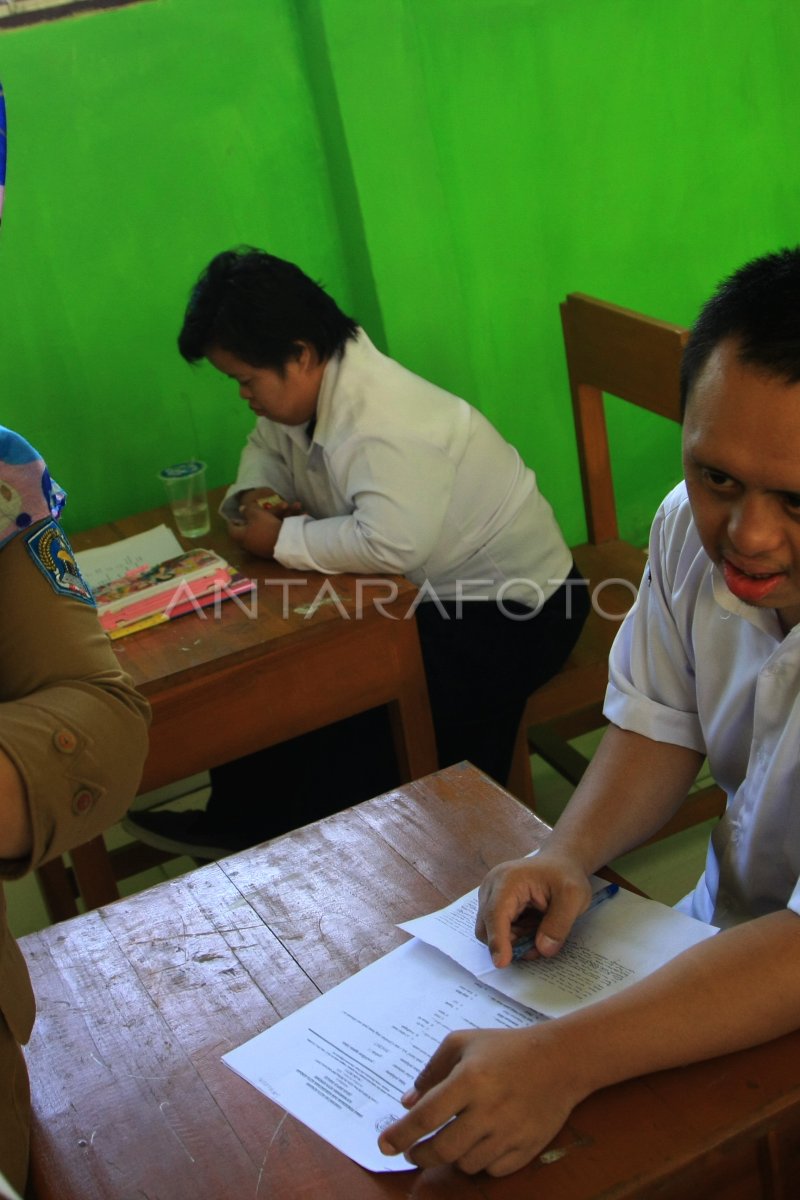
[149, 595]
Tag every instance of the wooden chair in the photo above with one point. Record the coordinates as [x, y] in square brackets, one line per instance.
[637, 359]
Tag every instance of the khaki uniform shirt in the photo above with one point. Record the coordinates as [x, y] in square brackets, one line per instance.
[72, 724]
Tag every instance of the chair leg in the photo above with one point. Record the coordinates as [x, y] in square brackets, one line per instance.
[93, 872]
[57, 893]
[519, 781]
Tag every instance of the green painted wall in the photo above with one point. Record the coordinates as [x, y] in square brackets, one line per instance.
[449, 168]
[141, 141]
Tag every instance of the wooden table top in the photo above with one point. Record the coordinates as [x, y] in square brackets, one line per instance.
[139, 1000]
[188, 647]
[307, 650]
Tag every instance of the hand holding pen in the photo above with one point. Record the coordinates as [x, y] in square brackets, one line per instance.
[526, 943]
[552, 888]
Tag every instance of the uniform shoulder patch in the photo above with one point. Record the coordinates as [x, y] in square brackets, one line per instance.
[49, 548]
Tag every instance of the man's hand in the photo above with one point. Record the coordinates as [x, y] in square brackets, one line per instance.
[254, 501]
[496, 1097]
[257, 535]
[549, 884]
[595, 827]
[259, 525]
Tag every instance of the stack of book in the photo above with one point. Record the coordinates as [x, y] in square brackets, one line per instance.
[149, 578]
[145, 596]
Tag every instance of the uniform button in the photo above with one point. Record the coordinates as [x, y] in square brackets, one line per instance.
[65, 741]
[82, 801]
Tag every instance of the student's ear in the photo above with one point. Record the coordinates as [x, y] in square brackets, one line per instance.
[304, 354]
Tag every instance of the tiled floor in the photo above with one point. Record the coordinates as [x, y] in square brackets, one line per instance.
[665, 871]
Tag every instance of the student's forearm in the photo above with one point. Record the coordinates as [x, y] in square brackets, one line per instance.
[16, 834]
[735, 990]
[632, 786]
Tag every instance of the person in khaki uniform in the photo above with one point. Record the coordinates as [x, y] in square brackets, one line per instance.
[73, 736]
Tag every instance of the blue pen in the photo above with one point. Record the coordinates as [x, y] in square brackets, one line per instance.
[527, 943]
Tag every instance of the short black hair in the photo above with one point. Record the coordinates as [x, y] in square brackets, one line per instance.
[759, 306]
[259, 308]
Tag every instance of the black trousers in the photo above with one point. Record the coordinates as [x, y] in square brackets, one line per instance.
[482, 661]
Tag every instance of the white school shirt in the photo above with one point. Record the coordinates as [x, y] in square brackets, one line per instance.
[404, 478]
[695, 666]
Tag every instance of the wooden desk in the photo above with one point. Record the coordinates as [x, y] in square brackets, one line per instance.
[138, 1001]
[261, 671]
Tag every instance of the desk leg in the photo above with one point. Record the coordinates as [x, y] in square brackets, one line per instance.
[57, 893]
[94, 877]
[410, 712]
[93, 872]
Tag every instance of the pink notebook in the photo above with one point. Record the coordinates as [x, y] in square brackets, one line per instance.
[169, 589]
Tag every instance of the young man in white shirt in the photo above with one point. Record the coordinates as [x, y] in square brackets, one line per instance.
[706, 663]
[381, 472]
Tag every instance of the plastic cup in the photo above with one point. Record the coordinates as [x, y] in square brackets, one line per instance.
[185, 484]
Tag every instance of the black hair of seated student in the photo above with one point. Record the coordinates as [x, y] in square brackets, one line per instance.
[759, 306]
[259, 308]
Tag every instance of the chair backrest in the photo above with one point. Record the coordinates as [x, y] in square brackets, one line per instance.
[637, 358]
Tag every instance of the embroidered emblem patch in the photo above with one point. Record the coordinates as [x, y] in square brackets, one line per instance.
[49, 548]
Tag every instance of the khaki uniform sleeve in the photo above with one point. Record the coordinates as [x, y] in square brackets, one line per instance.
[70, 719]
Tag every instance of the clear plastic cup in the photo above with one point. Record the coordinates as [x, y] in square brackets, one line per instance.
[185, 484]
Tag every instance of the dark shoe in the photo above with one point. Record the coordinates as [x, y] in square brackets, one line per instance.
[189, 832]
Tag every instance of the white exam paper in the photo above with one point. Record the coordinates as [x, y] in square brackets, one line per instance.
[621, 940]
[341, 1063]
[104, 563]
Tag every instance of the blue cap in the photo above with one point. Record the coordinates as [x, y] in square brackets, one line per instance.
[183, 470]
